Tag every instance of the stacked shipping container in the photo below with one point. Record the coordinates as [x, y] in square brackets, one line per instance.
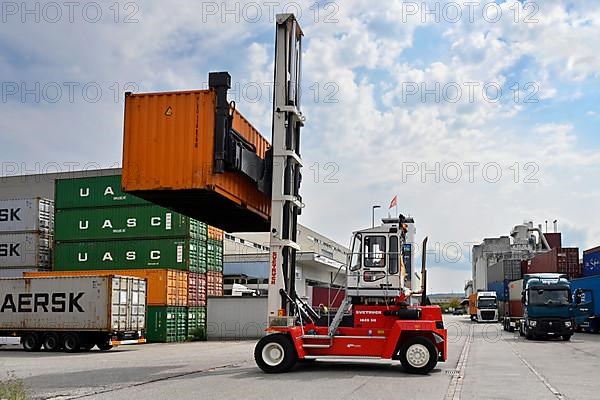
[558, 260]
[26, 227]
[591, 262]
[100, 228]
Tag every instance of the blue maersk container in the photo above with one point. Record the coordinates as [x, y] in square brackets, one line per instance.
[590, 283]
[591, 264]
[501, 289]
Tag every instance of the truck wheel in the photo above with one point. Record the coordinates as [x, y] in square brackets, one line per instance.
[418, 355]
[566, 338]
[31, 342]
[529, 336]
[104, 344]
[71, 342]
[275, 353]
[87, 346]
[51, 342]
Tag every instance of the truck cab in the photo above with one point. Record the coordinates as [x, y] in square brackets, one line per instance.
[487, 307]
[547, 307]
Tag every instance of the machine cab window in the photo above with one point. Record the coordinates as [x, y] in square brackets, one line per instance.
[375, 251]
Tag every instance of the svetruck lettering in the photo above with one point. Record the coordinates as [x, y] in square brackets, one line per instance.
[10, 250]
[9, 214]
[42, 302]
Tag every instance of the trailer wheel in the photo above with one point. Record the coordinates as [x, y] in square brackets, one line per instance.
[71, 342]
[51, 342]
[418, 355]
[104, 344]
[275, 353]
[31, 342]
[566, 338]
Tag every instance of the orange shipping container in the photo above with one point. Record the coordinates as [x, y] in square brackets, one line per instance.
[168, 159]
[166, 287]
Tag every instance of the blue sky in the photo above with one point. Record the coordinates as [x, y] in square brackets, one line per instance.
[364, 133]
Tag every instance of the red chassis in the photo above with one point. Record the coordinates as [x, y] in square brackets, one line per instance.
[375, 331]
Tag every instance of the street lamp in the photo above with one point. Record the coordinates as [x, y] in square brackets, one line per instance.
[373, 215]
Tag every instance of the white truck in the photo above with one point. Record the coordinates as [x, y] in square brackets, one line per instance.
[483, 307]
[73, 313]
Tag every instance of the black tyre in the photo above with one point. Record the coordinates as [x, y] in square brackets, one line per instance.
[51, 342]
[104, 344]
[275, 353]
[529, 336]
[87, 346]
[71, 342]
[566, 338]
[31, 342]
[418, 355]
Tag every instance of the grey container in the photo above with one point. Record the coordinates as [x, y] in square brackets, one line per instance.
[504, 270]
[25, 250]
[27, 215]
[85, 303]
[16, 272]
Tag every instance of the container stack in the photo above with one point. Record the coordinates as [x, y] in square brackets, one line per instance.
[100, 229]
[500, 274]
[26, 227]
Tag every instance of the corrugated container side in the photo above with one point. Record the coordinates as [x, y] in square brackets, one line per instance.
[166, 324]
[196, 325]
[215, 255]
[591, 264]
[592, 250]
[164, 285]
[168, 146]
[542, 263]
[515, 288]
[516, 308]
[25, 250]
[501, 289]
[16, 272]
[90, 312]
[27, 215]
[127, 222]
[324, 296]
[182, 254]
[96, 191]
[214, 283]
[196, 290]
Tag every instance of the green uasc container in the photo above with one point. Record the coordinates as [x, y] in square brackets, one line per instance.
[131, 222]
[97, 191]
[182, 254]
[166, 324]
[196, 323]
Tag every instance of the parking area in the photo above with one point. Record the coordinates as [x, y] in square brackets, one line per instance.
[485, 363]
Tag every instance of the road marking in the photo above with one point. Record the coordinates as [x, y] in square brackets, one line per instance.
[456, 383]
[551, 388]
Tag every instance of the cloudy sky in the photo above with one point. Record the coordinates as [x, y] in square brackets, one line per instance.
[478, 115]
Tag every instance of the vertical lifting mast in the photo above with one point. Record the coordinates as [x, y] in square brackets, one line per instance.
[286, 202]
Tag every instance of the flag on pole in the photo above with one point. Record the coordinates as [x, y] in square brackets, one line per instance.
[394, 202]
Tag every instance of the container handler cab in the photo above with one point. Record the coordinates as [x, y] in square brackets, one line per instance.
[374, 320]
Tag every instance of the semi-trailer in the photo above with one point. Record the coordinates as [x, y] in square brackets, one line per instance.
[586, 292]
[73, 313]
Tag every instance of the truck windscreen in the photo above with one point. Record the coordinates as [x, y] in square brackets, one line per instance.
[487, 302]
[549, 297]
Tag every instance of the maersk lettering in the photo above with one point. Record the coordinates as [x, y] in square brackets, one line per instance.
[9, 214]
[42, 302]
[10, 250]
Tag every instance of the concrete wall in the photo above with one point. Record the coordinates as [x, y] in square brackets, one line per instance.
[236, 317]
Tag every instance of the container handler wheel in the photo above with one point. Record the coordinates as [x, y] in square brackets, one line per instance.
[418, 355]
[71, 342]
[31, 342]
[275, 353]
[51, 342]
